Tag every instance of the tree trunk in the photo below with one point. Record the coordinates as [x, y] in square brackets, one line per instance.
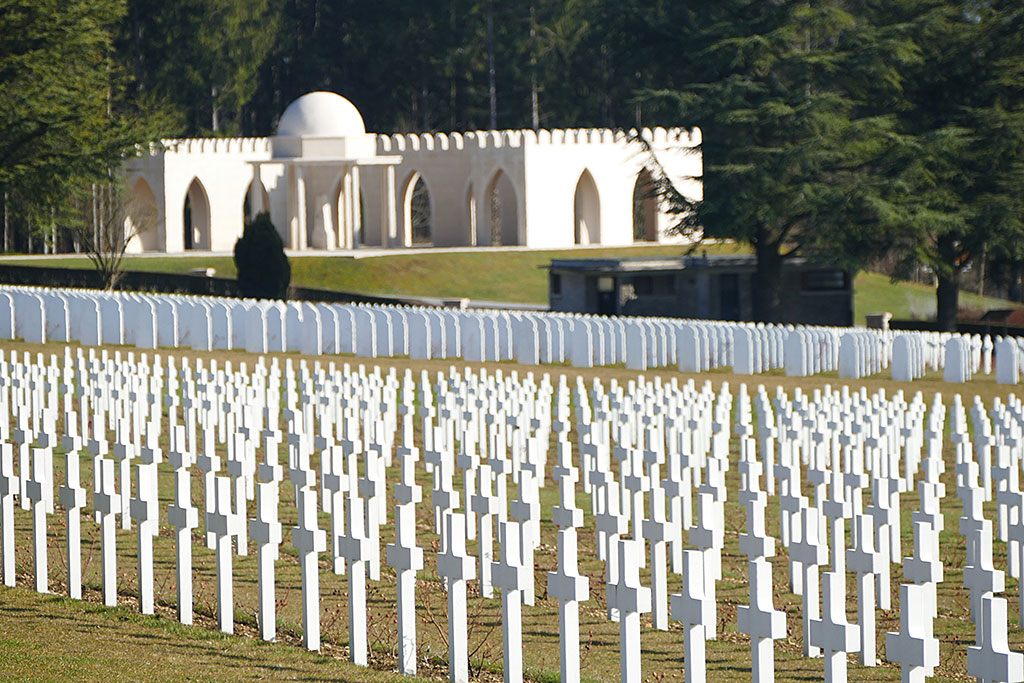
[766, 286]
[534, 98]
[214, 110]
[140, 73]
[947, 296]
[7, 226]
[491, 85]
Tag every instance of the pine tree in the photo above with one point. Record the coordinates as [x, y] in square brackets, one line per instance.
[790, 162]
[262, 266]
[963, 105]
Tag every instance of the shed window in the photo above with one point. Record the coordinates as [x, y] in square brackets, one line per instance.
[654, 285]
[823, 281]
[556, 284]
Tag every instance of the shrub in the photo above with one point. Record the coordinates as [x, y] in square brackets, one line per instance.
[263, 269]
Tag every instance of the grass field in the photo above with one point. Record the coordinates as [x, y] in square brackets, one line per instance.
[48, 638]
[512, 276]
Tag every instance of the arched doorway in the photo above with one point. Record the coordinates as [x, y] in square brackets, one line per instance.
[255, 197]
[502, 210]
[197, 217]
[142, 218]
[645, 208]
[417, 211]
[587, 210]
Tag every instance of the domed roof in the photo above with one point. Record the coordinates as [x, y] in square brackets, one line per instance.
[321, 115]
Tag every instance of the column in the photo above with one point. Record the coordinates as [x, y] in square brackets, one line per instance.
[349, 228]
[301, 230]
[342, 209]
[293, 214]
[389, 227]
[327, 222]
[356, 209]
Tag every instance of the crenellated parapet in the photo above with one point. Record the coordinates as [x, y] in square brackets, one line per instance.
[213, 146]
[494, 139]
[443, 142]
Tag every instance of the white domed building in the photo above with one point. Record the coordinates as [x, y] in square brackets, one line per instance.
[330, 185]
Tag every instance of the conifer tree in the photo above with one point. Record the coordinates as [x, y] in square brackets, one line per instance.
[262, 266]
[790, 161]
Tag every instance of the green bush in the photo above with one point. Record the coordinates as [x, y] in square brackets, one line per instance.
[263, 269]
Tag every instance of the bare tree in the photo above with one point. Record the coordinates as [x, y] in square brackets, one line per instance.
[110, 217]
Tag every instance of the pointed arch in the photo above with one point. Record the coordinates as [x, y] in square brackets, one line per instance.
[586, 210]
[417, 211]
[502, 213]
[645, 208]
[255, 200]
[143, 217]
[197, 217]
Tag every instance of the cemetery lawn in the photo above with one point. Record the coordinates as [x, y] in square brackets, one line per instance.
[107, 644]
[505, 276]
[55, 638]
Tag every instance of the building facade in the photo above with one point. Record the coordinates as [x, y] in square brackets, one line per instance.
[328, 184]
[708, 287]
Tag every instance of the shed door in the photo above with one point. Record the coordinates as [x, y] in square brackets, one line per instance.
[729, 296]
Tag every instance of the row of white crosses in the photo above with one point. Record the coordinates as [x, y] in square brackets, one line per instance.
[151, 321]
[652, 454]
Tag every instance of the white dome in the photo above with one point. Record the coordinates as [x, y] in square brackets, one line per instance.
[321, 115]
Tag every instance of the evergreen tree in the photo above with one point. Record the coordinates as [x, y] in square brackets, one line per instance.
[963, 105]
[202, 56]
[262, 266]
[791, 165]
[67, 124]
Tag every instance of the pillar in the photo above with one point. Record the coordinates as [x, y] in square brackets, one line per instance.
[356, 209]
[302, 231]
[345, 209]
[327, 222]
[389, 227]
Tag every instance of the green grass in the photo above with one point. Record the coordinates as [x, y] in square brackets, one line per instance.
[516, 276]
[47, 638]
[874, 293]
[54, 638]
[511, 276]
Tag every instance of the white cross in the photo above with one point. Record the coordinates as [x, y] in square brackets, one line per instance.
[406, 557]
[991, 659]
[355, 547]
[695, 609]
[832, 632]
[761, 621]
[145, 511]
[41, 477]
[811, 553]
[631, 600]
[913, 647]
[980, 576]
[866, 563]
[309, 540]
[570, 588]
[222, 523]
[510, 575]
[107, 504]
[266, 531]
[457, 567]
[72, 497]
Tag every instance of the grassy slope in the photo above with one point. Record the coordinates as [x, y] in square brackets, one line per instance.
[505, 276]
